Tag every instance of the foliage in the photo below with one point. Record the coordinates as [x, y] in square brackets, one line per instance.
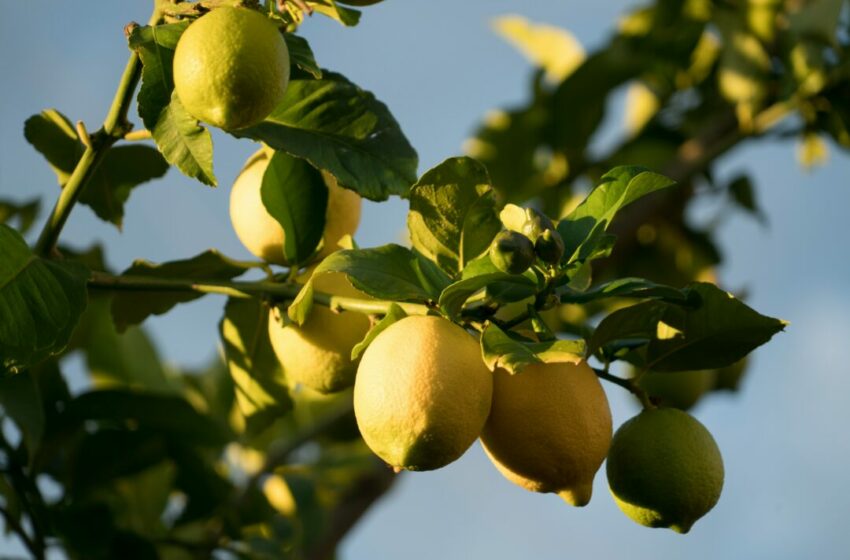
[156, 462]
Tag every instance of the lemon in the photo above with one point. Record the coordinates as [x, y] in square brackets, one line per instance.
[422, 393]
[231, 67]
[318, 353]
[549, 429]
[681, 389]
[263, 236]
[664, 469]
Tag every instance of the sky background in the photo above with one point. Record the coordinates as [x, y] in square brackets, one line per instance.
[439, 68]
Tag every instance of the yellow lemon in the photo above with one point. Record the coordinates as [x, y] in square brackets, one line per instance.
[422, 393]
[263, 236]
[664, 469]
[231, 67]
[318, 353]
[549, 429]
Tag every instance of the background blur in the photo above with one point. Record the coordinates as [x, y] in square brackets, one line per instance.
[439, 68]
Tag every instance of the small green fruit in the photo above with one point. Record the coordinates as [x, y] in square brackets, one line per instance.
[512, 252]
[550, 246]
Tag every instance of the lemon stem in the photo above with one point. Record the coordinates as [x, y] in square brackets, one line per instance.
[627, 384]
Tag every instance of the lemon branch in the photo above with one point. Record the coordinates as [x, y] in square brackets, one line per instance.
[627, 384]
[115, 127]
[274, 290]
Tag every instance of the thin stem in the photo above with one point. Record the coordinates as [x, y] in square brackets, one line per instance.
[115, 126]
[138, 135]
[100, 280]
[627, 384]
[14, 525]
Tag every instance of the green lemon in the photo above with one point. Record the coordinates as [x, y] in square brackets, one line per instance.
[664, 469]
[512, 252]
[681, 389]
[231, 67]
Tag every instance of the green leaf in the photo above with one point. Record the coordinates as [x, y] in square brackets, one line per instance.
[713, 330]
[21, 401]
[500, 350]
[453, 215]
[583, 228]
[330, 8]
[295, 195]
[155, 45]
[301, 55]
[131, 308]
[625, 288]
[394, 314]
[184, 142]
[40, 302]
[123, 167]
[24, 212]
[390, 272]
[478, 275]
[169, 415]
[300, 308]
[718, 332]
[261, 390]
[743, 194]
[338, 127]
[129, 359]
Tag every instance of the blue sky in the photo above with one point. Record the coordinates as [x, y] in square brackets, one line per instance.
[440, 68]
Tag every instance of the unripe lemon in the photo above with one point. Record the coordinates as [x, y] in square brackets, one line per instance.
[664, 469]
[318, 353]
[231, 67]
[422, 393]
[549, 429]
[681, 389]
[263, 236]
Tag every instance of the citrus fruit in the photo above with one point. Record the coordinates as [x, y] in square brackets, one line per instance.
[262, 235]
[317, 354]
[422, 393]
[512, 252]
[681, 389]
[549, 428]
[664, 469]
[231, 67]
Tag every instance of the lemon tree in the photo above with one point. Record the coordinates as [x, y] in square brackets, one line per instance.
[536, 269]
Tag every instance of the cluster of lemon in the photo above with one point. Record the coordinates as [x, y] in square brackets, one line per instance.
[422, 394]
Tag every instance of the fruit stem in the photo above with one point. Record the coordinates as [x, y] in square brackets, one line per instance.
[627, 384]
[115, 126]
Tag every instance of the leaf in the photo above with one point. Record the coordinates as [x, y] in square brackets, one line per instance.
[720, 331]
[500, 350]
[453, 214]
[330, 8]
[338, 127]
[584, 226]
[24, 212]
[123, 167]
[301, 55]
[131, 308]
[394, 314]
[480, 274]
[625, 288]
[300, 308]
[714, 330]
[40, 302]
[390, 272]
[744, 195]
[261, 389]
[551, 48]
[129, 359]
[184, 142]
[21, 401]
[155, 45]
[169, 415]
[295, 195]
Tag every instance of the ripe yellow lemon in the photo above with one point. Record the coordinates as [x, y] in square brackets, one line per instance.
[262, 235]
[422, 393]
[549, 429]
[681, 389]
[231, 67]
[664, 469]
[318, 353]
